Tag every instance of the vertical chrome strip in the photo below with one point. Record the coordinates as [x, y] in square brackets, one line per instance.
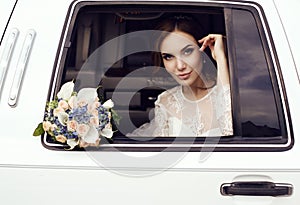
[7, 53]
[21, 66]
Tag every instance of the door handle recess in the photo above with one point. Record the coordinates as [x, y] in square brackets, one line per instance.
[256, 188]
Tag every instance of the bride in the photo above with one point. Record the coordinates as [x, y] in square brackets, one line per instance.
[200, 105]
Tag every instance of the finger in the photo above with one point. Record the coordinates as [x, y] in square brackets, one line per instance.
[202, 39]
[206, 44]
[202, 48]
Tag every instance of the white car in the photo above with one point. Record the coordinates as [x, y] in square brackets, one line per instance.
[107, 45]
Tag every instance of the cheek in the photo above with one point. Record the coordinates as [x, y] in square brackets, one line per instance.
[195, 62]
[169, 66]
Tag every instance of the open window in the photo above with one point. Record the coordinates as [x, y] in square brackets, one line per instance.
[111, 47]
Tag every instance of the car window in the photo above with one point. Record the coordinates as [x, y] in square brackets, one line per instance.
[254, 81]
[114, 48]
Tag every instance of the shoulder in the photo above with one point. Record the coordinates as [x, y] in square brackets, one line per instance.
[168, 95]
[221, 89]
[170, 92]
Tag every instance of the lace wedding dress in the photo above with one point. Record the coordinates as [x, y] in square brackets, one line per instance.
[175, 115]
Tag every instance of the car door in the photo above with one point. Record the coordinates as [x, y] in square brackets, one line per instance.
[107, 45]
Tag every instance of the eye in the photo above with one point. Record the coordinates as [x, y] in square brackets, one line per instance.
[188, 51]
[167, 56]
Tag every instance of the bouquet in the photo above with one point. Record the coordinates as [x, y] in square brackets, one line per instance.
[77, 119]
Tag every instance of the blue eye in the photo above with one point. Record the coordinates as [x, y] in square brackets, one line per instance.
[167, 57]
[188, 51]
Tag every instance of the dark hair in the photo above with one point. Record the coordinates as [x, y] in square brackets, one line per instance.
[174, 22]
[189, 25]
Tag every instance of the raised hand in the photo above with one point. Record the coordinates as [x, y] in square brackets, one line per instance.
[215, 44]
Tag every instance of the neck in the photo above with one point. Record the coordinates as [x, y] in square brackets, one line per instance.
[197, 92]
[193, 93]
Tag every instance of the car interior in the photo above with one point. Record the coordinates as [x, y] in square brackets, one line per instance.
[103, 52]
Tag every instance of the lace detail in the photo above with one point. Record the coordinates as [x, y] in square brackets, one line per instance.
[173, 100]
[223, 110]
[161, 122]
[157, 127]
[195, 124]
[177, 116]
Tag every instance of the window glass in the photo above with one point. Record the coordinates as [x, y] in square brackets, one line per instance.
[124, 66]
[257, 103]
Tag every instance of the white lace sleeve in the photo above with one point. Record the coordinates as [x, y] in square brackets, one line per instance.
[158, 126]
[224, 111]
[161, 121]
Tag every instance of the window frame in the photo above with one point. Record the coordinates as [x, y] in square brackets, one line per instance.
[234, 143]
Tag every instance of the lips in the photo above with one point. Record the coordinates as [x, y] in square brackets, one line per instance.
[184, 76]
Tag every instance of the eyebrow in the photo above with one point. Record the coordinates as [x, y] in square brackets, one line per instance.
[186, 47]
[166, 53]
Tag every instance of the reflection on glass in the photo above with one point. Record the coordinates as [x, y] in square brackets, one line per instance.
[258, 108]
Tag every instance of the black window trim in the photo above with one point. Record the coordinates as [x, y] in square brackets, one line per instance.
[160, 144]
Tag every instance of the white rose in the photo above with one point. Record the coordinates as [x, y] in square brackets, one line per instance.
[53, 127]
[94, 121]
[63, 104]
[82, 129]
[72, 125]
[82, 103]
[85, 144]
[46, 125]
[61, 138]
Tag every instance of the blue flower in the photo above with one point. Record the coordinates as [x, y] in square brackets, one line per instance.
[80, 115]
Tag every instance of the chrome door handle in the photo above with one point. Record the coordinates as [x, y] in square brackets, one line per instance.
[7, 53]
[256, 188]
[21, 66]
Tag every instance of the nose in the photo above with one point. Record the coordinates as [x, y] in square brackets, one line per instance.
[180, 64]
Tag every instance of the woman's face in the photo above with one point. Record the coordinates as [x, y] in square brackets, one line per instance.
[182, 58]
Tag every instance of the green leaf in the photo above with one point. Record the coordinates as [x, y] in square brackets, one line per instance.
[115, 116]
[39, 130]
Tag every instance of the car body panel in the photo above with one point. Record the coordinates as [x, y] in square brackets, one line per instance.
[6, 9]
[30, 173]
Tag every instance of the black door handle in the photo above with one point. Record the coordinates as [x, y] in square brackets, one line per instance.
[256, 188]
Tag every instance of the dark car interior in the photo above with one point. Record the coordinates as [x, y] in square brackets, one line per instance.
[100, 55]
